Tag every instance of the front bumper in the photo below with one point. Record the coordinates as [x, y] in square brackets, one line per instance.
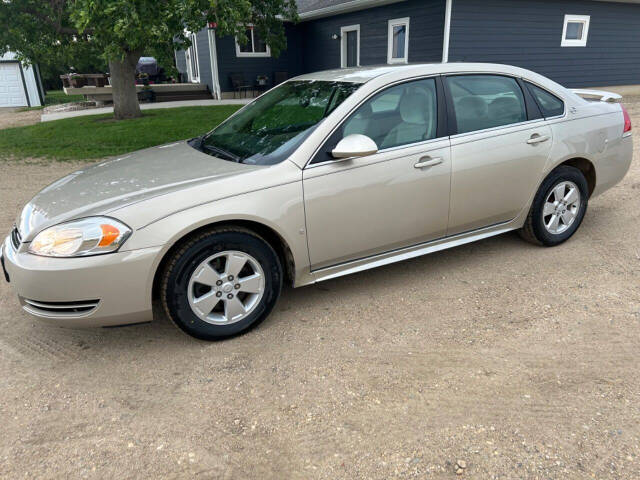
[101, 290]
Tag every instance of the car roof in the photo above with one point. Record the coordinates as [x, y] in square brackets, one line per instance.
[365, 74]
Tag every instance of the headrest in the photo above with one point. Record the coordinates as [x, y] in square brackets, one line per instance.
[471, 107]
[415, 106]
[503, 106]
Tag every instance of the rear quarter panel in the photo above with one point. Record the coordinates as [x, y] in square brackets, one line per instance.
[593, 131]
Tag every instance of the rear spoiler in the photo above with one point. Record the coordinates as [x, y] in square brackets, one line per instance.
[599, 95]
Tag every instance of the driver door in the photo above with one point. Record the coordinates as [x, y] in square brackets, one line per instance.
[395, 198]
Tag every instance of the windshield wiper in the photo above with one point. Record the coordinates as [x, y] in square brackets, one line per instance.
[220, 152]
[196, 142]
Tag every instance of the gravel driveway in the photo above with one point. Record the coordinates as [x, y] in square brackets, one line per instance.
[513, 361]
[18, 117]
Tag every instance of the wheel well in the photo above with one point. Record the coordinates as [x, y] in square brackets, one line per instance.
[587, 169]
[268, 234]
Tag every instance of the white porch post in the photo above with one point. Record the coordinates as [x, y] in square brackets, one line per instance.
[214, 64]
[447, 31]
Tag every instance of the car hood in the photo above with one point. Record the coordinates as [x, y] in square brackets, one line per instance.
[112, 184]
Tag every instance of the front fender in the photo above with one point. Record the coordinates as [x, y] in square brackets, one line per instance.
[279, 208]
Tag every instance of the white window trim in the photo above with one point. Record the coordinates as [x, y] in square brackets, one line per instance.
[582, 42]
[343, 44]
[240, 54]
[393, 23]
[189, 52]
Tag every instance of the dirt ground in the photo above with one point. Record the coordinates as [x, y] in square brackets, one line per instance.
[16, 117]
[515, 360]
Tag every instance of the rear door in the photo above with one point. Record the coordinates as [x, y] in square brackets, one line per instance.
[499, 146]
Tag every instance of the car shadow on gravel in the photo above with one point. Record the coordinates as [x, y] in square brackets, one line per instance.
[388, 277]
[307, 301]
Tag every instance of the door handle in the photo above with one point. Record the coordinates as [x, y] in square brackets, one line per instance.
[535, 138]
[428, 162]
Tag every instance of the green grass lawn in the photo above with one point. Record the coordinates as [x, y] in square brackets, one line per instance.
[99, 136]
[55, 97]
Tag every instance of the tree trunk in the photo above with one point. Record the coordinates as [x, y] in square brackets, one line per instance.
[123, 86]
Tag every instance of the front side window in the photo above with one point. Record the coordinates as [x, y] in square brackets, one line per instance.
[398, 41]
[268, 130]
[400, 115]
[254, 47]
[550, 105]
[575, 31]
[486, 101]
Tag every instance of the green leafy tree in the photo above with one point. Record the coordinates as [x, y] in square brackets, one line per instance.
[120, 31]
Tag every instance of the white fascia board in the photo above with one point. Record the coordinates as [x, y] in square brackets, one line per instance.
[351, 6]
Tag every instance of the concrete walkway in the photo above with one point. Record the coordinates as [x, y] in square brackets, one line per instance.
[47, 117]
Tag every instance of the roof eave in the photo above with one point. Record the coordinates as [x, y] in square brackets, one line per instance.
[346, 7]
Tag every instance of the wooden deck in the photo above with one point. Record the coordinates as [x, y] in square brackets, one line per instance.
[165, 92]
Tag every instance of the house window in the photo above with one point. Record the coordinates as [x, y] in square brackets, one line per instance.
[350, 46]
[398, 41]
[255, 46]
[575, 31]
[191, 56]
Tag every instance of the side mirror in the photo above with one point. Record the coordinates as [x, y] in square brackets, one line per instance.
[354, 145]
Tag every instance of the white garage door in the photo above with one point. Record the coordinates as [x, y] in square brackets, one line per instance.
[11, 90]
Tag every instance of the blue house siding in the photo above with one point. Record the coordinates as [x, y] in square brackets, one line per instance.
[204, 58]
[290, 60]
[426, 30]
[181, 62]
[527, 33]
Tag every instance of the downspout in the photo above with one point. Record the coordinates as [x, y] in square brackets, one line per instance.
[447, 31]
[214, 65]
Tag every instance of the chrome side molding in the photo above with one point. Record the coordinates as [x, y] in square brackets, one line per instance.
[406, 253]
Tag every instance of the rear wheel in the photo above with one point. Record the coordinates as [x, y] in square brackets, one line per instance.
[221, 283]
[558, 207]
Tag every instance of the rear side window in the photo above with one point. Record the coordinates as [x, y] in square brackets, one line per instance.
[486, 101]
[550, 105]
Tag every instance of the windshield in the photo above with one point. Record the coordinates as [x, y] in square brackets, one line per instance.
[268, 130]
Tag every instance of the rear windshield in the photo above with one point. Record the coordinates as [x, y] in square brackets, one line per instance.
[268, 130]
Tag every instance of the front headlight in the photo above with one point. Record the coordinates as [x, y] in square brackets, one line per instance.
[87, 236]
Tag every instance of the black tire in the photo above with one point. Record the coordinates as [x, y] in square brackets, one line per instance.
[534, 230]
[183, 262]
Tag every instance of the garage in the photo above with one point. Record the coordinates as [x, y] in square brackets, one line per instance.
[12, 92]
[20, 85]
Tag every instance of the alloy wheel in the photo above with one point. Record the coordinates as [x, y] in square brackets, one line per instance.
[226, 287]
[561, 207]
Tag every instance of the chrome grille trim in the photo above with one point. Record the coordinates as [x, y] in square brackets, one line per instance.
[60, 309]
[16, 239]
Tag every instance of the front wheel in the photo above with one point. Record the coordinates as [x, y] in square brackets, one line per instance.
[558, 207]
[221, 283]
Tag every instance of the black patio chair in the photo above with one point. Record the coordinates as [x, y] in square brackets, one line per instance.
[239, 84]
[262, 84]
